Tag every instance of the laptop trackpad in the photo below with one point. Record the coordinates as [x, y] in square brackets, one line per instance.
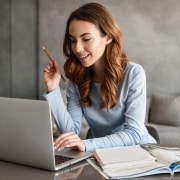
[68, 152]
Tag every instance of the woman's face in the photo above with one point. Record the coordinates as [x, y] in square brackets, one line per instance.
[87, 42]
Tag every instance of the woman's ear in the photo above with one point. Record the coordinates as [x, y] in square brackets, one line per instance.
[108, 39]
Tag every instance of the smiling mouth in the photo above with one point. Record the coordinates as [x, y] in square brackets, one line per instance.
[82, 58]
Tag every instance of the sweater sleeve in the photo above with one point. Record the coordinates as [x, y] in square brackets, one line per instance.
[68, 118]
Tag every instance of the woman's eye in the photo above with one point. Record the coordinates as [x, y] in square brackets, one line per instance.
[88, 39]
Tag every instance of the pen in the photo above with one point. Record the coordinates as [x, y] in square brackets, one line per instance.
[50, 58]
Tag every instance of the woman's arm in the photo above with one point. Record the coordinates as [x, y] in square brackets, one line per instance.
[67, 120]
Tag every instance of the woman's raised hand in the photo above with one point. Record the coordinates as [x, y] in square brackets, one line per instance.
[52, 75]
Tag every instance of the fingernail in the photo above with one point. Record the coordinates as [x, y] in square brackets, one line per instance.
[59, 149]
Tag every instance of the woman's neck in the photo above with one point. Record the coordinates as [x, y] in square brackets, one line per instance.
[97, 79]
[98, 69]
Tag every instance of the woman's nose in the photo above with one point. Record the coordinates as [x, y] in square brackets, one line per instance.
[78, 47]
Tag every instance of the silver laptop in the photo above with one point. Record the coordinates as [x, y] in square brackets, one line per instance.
[26, 135]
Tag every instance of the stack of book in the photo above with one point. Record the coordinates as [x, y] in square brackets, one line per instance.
[136, 161]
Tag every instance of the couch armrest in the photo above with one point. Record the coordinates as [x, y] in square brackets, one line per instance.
[168, 135]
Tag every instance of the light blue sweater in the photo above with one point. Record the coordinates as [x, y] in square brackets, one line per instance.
[122, 125]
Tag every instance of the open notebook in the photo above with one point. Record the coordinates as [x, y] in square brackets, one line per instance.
[26, 135]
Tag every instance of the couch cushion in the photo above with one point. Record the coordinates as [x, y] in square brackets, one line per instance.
[165, 109]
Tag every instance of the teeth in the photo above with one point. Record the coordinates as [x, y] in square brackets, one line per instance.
[81, 57]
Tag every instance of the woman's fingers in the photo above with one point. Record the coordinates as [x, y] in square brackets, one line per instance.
[47, 69]
[63, 140]
[51, 67]
[71, 140]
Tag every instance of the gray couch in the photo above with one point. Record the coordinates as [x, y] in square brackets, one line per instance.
[163, 113]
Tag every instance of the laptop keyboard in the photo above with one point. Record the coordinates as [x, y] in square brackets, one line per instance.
[60, 159]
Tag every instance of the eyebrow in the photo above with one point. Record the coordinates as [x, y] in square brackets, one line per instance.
[84, 34]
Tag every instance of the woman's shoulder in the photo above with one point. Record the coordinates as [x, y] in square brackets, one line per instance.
[133, 67]
[134, 71]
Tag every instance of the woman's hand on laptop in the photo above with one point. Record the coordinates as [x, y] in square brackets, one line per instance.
[71, 140]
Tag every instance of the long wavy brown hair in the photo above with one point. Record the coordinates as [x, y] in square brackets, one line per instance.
[115, 57]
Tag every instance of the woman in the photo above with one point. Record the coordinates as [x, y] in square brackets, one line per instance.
[104, 87]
